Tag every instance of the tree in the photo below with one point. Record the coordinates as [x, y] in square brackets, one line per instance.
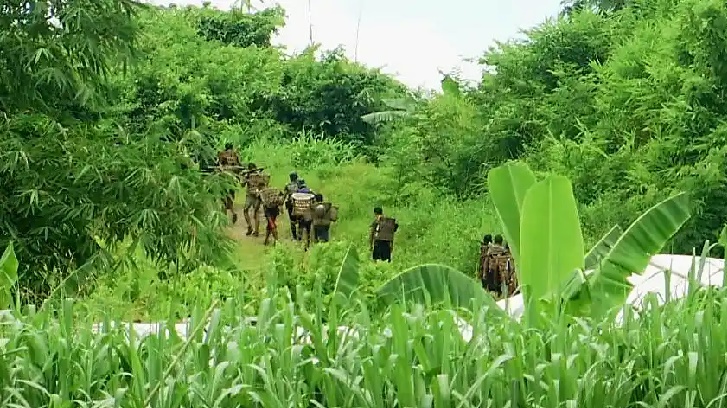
[74, 184]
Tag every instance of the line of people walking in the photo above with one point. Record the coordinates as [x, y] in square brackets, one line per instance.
[309, 214]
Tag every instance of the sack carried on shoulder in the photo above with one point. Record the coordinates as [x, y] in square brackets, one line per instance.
[271, 197]
[324, 213]
[229, 159]
[302, 203]
[259, 179]
[385, 229]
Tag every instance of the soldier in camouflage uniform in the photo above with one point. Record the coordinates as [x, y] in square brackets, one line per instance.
[252, 201]
[227, 158]
[288, 191]
[499, 269]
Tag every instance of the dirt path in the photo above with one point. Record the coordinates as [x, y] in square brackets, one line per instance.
[251, 250]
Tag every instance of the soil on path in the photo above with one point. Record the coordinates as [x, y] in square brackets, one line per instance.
[251, 250]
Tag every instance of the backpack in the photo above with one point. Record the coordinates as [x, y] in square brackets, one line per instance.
[385, 228]
[229, 158]
[320, 211]
[498, 267]
[271, 197]
[324, 213]
[302, 203]
[257, 181]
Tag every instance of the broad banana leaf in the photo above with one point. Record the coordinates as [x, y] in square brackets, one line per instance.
[8, 275]
[576, 291]
[602, 248]
[347, 279]
[631, 253]
[508, 185]
[436, 283]
[551, 246]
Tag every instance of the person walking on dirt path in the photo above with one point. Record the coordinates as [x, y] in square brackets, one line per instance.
[252, 201]
[289, 189]
[381, 238]
[225, 159]
[272, 211]
[305, 220]
[323, 214]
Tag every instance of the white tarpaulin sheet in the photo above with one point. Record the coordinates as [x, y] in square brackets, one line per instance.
[652, 280]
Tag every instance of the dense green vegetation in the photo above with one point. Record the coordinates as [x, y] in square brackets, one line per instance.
[109, 109]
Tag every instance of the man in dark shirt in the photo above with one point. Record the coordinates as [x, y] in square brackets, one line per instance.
[381, 238]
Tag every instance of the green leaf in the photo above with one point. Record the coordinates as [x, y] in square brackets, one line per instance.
[576, 295]
[436, 283]
[508, 185]
[602, 248]
[552, 243]
[375, 118]
[8, 275]
[633, 250]
[347, 279]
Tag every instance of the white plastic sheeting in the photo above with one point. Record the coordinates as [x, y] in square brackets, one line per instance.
[652, 280]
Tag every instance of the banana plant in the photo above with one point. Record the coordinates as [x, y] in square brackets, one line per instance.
[540, 221]
[429, 283]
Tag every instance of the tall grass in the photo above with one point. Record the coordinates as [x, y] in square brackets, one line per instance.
[673, 356]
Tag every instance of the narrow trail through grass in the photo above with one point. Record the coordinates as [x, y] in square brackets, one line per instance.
[251, 250]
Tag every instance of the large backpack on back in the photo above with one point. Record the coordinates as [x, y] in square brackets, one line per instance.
[385, 229]
[256, 182]
[271, 197]
[324, 213]
[228, 158]
[302, 203]
[500, 270]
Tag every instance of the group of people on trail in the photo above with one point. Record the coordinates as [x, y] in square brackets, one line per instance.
[309, 214]
[497, 268]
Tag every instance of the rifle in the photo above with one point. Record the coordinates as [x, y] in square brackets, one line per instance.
[234, 169]
[246, 172]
